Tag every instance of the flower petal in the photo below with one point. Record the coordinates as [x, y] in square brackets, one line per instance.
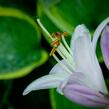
[98, 32]
[79, 78]
[85, 58]
[81, 47]
[105, 45]
[45, 82]
[57, 69]
[85, 96]
[80, 31]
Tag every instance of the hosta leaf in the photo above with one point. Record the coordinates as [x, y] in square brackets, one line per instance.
[20, 50]
[49, 3]
[66, 14]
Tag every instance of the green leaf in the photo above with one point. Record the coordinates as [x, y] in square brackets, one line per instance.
[49, 3]
[107, 83]
[102, 10]
[98, 52]
[60, 102]
[66, 14]
[49, 26]
[20, 50]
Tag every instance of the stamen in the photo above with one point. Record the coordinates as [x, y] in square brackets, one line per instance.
[56, 42]
[64, 34]
[62, 49]
[67, 61]
[52, 51]
[44, 29]
[56, 35]
[62, 53]
[58, 46]
[66, 45]
[64, 67]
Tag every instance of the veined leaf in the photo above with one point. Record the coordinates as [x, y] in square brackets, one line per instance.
[20, 50]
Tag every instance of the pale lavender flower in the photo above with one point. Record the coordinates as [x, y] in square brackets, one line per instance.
[105, 45]
[104, 40]
[78, 75]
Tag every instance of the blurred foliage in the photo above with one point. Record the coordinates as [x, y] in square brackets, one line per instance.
[20, 50]
[66, 14]
[21, 46]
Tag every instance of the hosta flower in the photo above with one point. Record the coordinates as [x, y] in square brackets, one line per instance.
[104, 40]
[78, 75]
[105, 45]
